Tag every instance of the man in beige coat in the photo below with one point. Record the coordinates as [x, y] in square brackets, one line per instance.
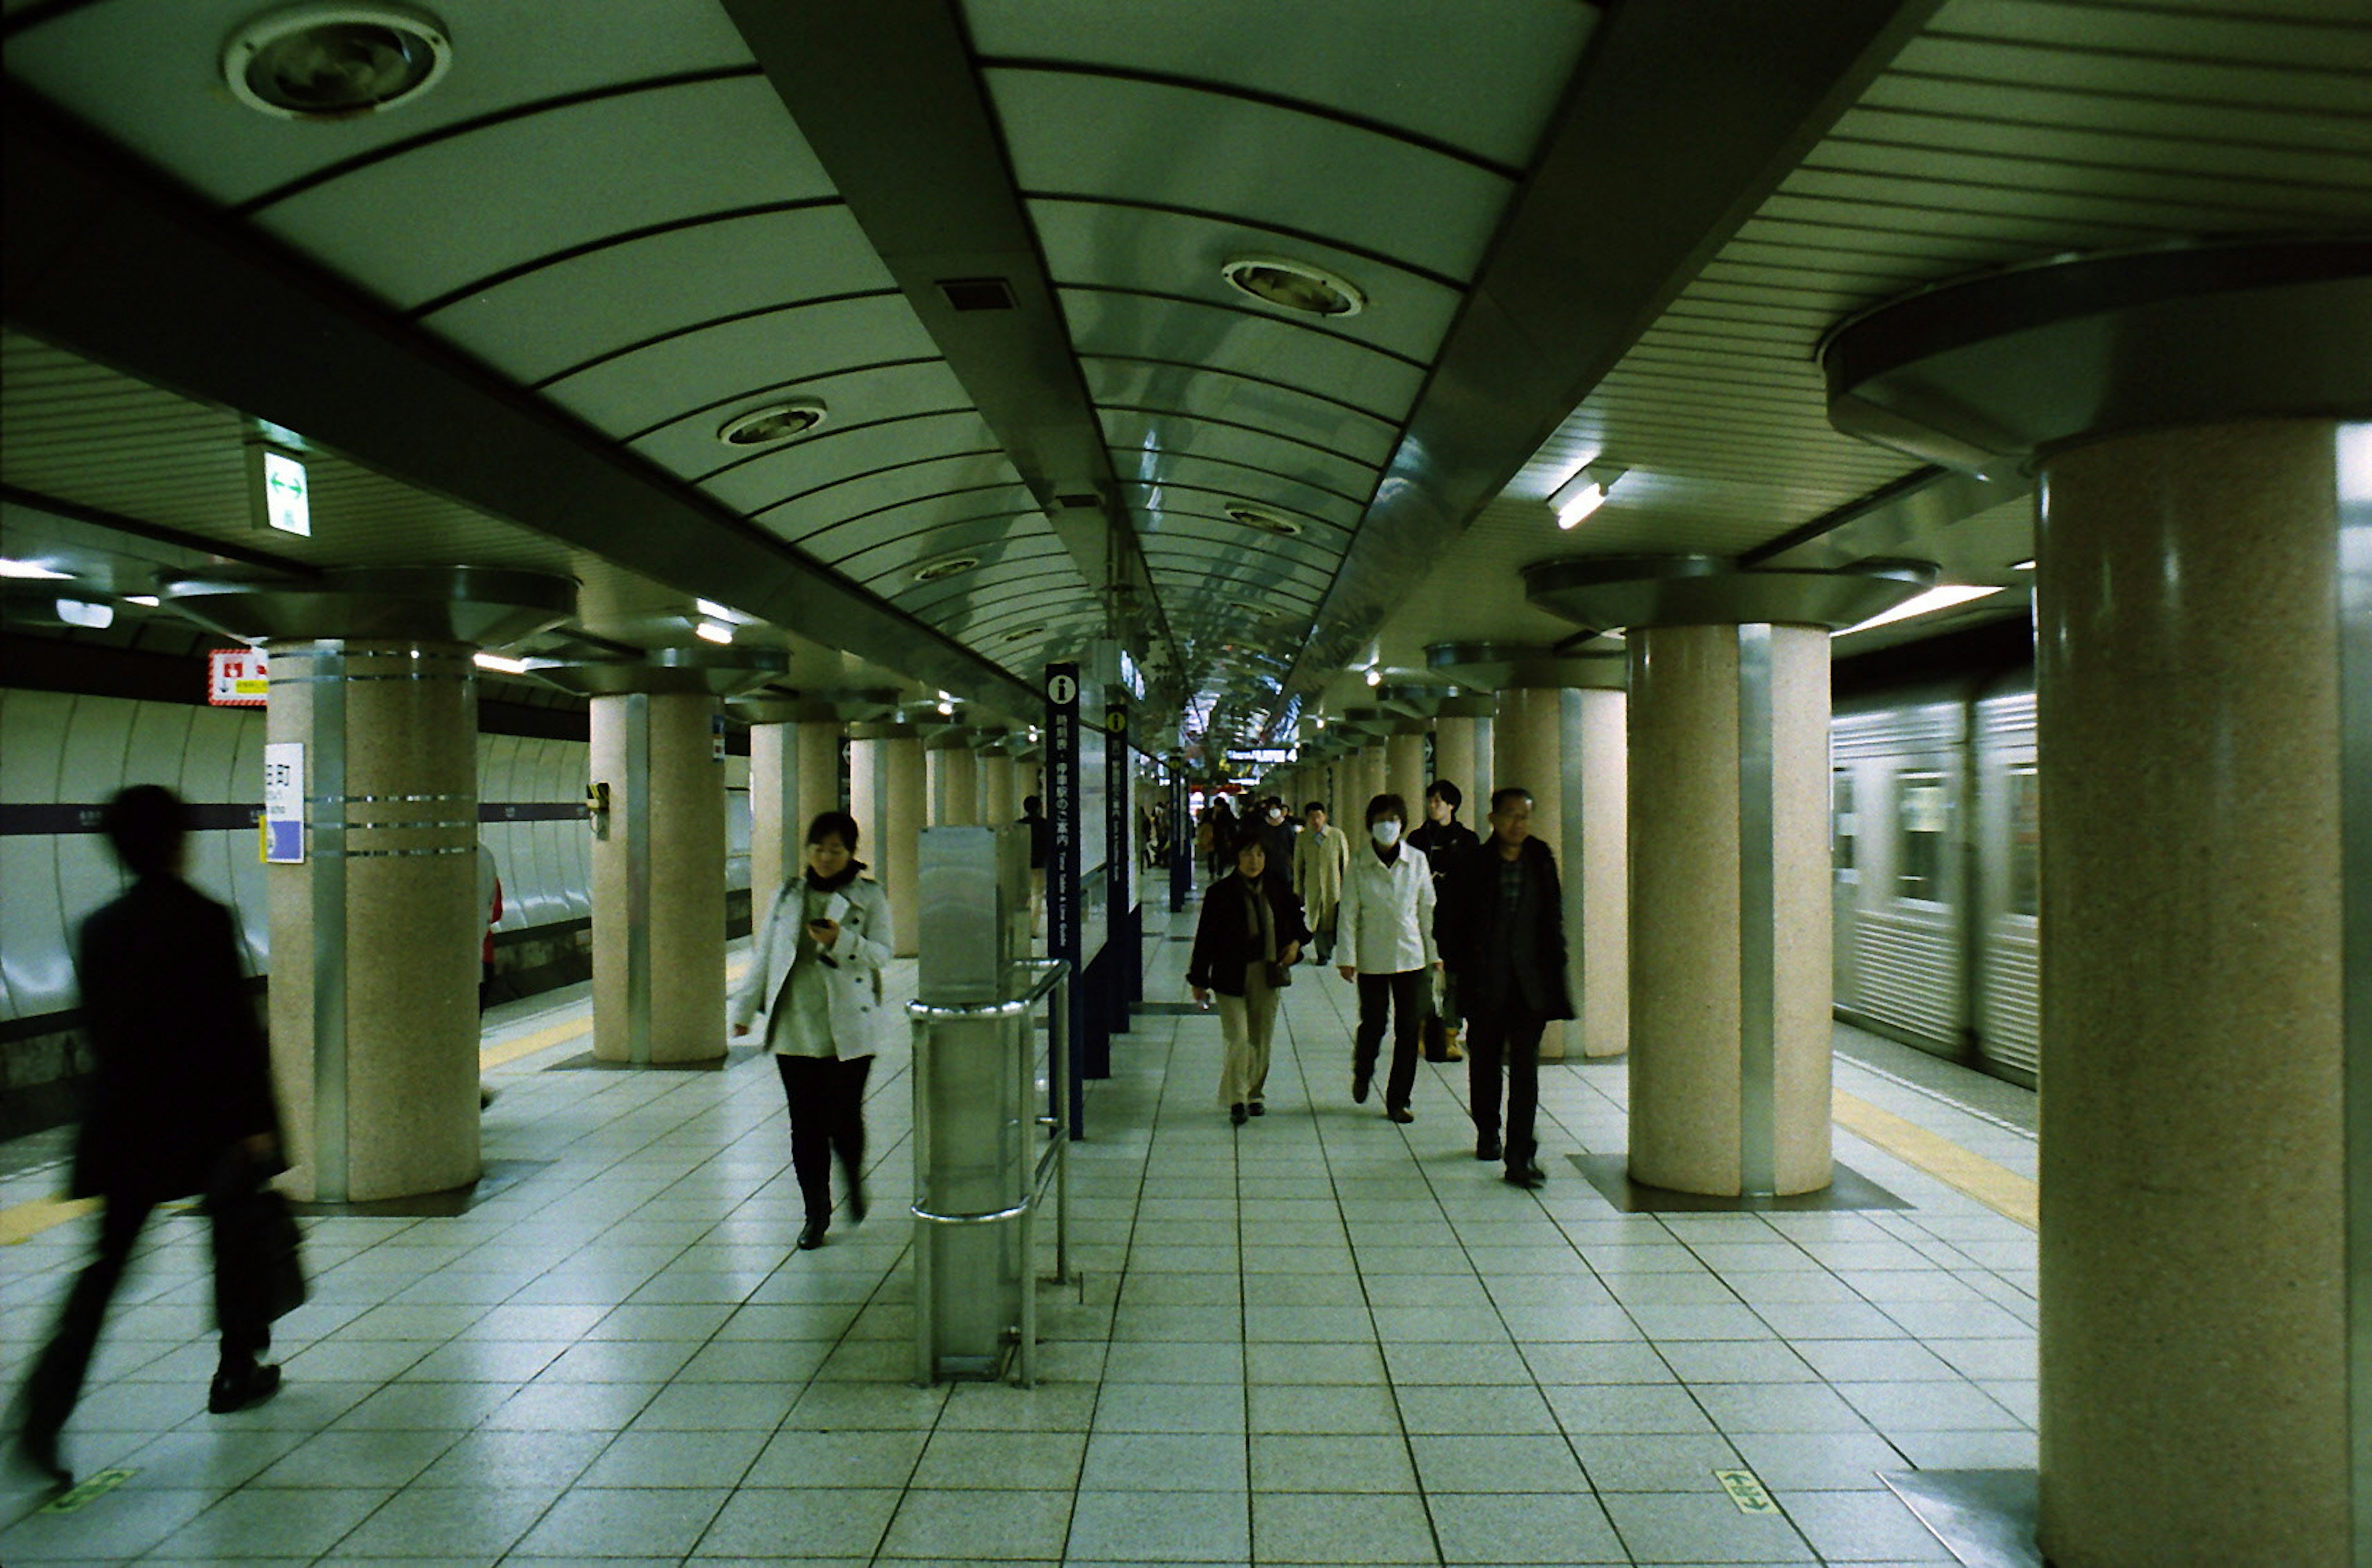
[1321, 854]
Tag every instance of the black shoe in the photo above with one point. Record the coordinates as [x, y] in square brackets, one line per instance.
[1527, 1174]
[1257, 1109]
[1359, 1087]
[236, 1388]
[1236, 1113]
[1399, 1113]
[41, 1445]
[856, 1206]
[811, 1235]
[1486, 1147]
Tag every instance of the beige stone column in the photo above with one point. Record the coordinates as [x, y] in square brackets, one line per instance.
[1454, 740]
[375, 938]
[1729, 1003]
[886, 796]
[2195, 1306]
[953, 774]
[1404, 768]
[1567, 746]
[794, 774]
[659, 880]
[1004, 805]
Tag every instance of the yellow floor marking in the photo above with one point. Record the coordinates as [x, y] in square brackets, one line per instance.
[529, 1044]
[89, 1491]
[27, 1221]
[2003, 1191]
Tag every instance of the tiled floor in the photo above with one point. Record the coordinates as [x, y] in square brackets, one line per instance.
[1322, 1339]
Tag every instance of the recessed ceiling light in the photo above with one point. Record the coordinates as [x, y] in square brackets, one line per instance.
[87, 614]
[31, 571]
[1947, 595]
[945, 567]
[145, 601]
[1260, 518]
[1293, 286]
[498, 664]
[776, 422]
[335, 62]
[713, 631]
[2025, 566]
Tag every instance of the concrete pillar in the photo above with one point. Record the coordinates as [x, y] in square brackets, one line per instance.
[1566, 746]
[1003, 803]
[886, 796]
[2194, 1309]
[1729, 983]
[2203, 696]
[1453, 759]
[1404, 768]
[659, 880]
[1367, 781]
[1028, 779]
[794, 774]
[953, 774]
[375, 938]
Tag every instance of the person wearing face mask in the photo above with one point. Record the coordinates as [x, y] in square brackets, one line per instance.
[1387, 946]
[1277, 833]
[820, 953]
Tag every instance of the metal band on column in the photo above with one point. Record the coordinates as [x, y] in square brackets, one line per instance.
[2355, 926]
[1758, 1065]
[332, 1173]
[638, 878]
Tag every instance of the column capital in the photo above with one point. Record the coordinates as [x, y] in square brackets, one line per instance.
[1503, 666]
[2004, 368]
[1635, 592]
[484, 606]
[695, 672]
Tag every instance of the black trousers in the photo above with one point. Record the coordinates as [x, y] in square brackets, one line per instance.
[827, 1100]
[55, 1386]
[1405, 994]
[1501, 1032]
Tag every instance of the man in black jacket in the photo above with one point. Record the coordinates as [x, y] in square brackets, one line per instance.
[1443, 838]
[1501, 931]
[181, 1102]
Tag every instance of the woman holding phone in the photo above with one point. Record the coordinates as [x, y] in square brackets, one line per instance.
[817, 967]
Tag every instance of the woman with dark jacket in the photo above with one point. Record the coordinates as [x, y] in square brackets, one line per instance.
[1248, 936]
[1501, 928]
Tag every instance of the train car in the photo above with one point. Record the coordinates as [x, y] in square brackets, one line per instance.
[1936, 839]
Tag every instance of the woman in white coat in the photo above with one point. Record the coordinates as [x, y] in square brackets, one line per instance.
[1384, 942]
[817, 967]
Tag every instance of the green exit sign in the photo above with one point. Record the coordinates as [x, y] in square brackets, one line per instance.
[277, 490]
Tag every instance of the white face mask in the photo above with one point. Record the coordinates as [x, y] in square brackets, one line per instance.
[1387, 832]
[1275, 816]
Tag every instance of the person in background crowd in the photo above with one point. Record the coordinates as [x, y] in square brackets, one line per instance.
[817, 969]
[1320, 856]
[1220, 852]
[1042, 847]
[180, 1102]
[1443, 838]
[1277, 830]
[1502, 937]
[490, 900]
[1246, 942]
[1385, 937]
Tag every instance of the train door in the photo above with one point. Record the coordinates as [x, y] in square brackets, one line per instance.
[1901, 963]
[2006, 925]
[1845, 897]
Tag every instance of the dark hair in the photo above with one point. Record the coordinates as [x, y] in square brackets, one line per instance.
[828, 824]
[1250, 838]
[1031, 804]
[1385, 806]
[147, 824]
[1313, 805]
[1449, 794]
[1500, 797]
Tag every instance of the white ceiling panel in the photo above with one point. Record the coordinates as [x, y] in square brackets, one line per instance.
[832, 457]
[689, 445]
[869, 496]
[1222, 396]
[1141, 444]
[1260, 347]
[830, 530]
[417, 225]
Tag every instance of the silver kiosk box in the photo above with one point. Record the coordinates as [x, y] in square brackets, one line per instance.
[988, 1088]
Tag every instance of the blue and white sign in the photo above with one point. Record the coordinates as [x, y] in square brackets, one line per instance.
[283, 802]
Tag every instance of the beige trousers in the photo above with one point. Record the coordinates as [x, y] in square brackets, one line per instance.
[1245, 1024]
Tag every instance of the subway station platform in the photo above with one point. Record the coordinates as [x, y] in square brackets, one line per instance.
[1319, 1338]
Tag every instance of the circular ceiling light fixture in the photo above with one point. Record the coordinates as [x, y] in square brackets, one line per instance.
[1293, 286]
[945, 567]
[776, 422]
[1261, 518]
[335, 62]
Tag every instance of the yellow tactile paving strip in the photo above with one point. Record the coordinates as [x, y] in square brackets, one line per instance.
[2003, 1191]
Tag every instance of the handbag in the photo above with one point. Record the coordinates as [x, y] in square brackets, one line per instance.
[262, 1267]
[1279, 975]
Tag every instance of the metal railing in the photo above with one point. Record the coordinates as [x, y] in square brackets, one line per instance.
[1048, 978]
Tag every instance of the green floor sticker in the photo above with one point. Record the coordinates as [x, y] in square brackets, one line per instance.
[87, 1491]
[1746, 1491]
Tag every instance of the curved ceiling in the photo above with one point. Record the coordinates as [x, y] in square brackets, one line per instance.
[1579, 234]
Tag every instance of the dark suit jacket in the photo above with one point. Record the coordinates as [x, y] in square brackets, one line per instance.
[1222, 945]
[183, 1069]
[1462, 919]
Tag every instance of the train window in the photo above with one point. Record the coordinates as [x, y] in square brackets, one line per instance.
[1841, 809]
[1919, 873]
[2025, 841]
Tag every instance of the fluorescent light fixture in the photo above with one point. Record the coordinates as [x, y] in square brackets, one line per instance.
[497, 662]
[1585, 491]
[947, 708]
[713, 631]
[717, 611]
[147, 601]
[1374, 677]
[31, 571]
[83, 613]
[2026, 565]
[1928, 603]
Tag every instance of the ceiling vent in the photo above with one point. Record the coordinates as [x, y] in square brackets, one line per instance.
[977, 294]
[335, 62]
[1077, 503]
[1265, 520]
[776, 422]
[1293, 286]
[947, 567]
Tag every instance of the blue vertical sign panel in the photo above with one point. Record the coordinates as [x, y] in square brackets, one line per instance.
[1061, 783]
[1123, 968]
